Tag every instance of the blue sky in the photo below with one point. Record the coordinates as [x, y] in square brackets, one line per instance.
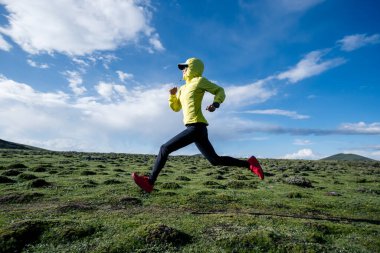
[301, 76]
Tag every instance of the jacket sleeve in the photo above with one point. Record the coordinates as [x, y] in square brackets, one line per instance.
[213, 89]
[175, 103]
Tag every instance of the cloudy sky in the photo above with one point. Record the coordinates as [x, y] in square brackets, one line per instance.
[301, 76]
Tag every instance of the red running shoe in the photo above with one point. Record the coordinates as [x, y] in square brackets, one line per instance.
[142, 182]
[255, 167]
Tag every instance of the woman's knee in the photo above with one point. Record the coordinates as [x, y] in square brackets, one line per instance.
[164, 149]
[214, 161]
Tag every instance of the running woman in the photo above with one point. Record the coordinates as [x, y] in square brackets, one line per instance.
[189, 98]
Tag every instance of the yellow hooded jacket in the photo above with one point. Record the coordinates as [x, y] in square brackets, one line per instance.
[189, 96]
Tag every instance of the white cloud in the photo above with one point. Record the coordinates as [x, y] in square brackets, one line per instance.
[104, 90]
[59, 144]
[4, 45]
[302, 154]
[78, 27]
[11, 90]
[254, 93]
[373, 147]
[299, 5]
[300, 142]
[360, 128]
[111, 91]
[106, 59]
[156, 43]
[278, 8]
[263, 89]
[37, 65]
[136, 120]
[120, 89]
[124, 76]
[81, 62]
[290, 114]
[75, 81]
[353, 42]
[131, 122]
[311, 65]
[31, 115]
[85, 62]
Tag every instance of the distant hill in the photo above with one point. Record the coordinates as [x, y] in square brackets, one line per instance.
[13, 145]
[347, 157]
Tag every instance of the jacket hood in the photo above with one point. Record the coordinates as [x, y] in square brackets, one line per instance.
[195, 69]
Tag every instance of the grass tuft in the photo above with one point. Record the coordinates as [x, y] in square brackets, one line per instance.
[39, 183]
[15, 237]
[195, 207]
[11, 172]
[20, 198]
[170, 186]
[161, 234]
[299, 181]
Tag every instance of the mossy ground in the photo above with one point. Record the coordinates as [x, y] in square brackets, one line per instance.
[87, 202]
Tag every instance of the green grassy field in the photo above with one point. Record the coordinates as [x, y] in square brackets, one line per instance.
[87, 202]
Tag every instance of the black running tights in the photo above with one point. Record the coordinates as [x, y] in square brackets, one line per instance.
[194, 133]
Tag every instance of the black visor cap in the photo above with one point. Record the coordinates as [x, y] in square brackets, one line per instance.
[182, 66]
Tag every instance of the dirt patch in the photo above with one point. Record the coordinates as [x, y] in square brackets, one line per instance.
[214, 185]
[130, 201]
[112, 181]
[27, 176]
[234, 184]
[370, 191]
[88, 173]
[40, 169]
[162, 234]
[39, 183]
[73, 233]
[74, 207]
[124, 202]
[89, 184]
[15, 237]
[202, 194]
[335, 194]
[170, 186]
[6, 180]
[268, 174]
[240, 177]
[299, 181]
[293, 216]
[256, 241]
[294, 195]
[20, 198]
[325, 229]
[17, 166]
[183, 178]
[168, 193]
[219, 177]
[70, 231]
[11, 173]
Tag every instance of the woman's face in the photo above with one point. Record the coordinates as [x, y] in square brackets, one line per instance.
[184, 71]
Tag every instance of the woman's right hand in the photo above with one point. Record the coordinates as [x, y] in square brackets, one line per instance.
[173, 91]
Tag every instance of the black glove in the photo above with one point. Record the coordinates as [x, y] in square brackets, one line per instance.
[216, 104]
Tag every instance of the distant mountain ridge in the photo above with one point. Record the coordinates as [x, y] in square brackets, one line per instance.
[347, 157]
[338, 157]
[12, 145]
